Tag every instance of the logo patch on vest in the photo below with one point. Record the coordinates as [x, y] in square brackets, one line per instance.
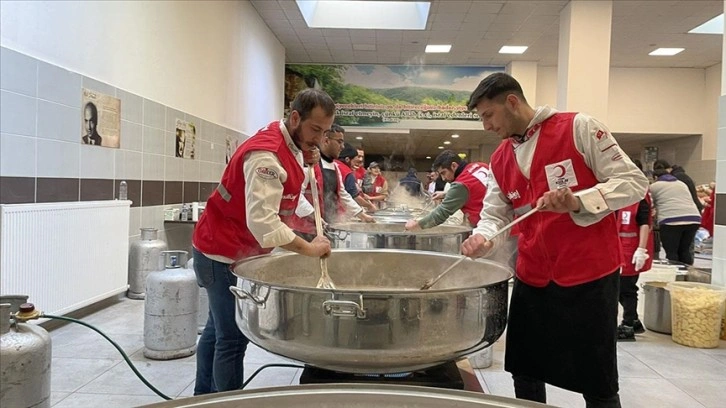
[266, 173]
[561, 175]
[625, 217]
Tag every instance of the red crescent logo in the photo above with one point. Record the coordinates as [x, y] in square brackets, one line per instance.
[562, 169]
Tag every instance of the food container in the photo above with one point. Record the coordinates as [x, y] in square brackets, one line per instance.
[697, 313]
[657, 316]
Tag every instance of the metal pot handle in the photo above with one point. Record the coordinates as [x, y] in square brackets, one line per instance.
[344, 308]
[337, 234]
[242, 294]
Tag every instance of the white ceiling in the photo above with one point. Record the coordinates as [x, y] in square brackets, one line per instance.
[478, 28]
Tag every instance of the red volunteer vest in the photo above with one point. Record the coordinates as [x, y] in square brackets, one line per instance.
[551, 246]
[222, 229]
[378, 184]
[630, 237]
[474, 178]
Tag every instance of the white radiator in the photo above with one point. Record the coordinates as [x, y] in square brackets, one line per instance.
[64, 255]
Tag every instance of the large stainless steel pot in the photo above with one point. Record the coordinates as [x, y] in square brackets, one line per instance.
[442, 238]
[348, 396]
[377, 320]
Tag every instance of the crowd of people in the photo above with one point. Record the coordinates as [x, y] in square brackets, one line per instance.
[574, 259]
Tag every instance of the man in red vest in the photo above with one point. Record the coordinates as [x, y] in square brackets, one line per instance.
[468, 187]
[245, 216]
[635, 225]
[335, 201]
[563, 317]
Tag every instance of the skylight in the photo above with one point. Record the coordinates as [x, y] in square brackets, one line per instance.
[666, 52]
[353, 14]
[712, 26]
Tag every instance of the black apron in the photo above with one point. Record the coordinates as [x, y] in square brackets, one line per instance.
[566, 336]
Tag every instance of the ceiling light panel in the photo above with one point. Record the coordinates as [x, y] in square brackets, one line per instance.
[712, 26]
[432, 49]
[513, 49]
[360, 14]
[666, 52]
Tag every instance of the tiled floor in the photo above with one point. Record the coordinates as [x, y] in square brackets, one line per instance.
[88, 372]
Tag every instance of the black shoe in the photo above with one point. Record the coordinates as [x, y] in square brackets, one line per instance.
[625, 333]
[635, 324]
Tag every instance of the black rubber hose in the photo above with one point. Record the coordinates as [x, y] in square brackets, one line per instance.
[268, 366]
[120, 350]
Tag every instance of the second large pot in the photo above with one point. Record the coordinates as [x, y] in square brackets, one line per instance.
[355, 235]
[377, 320]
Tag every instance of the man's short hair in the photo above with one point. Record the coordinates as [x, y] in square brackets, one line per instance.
[308, 99]
[494, 86]
[348, 152]
[336, 128]
[444, 160]
[661, 164]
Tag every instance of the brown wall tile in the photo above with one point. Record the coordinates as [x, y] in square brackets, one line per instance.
[17, 190]
[191, 191]
[205, 190]
[152, 192]
[53, 190]
[720, 210]
[133, 191]
[173, 193]
[97, 189]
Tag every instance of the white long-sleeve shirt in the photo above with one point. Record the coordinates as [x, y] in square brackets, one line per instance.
[263, 196]
[621, 183]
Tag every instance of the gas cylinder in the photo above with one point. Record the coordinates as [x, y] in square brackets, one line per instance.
[170, 309]
[143, 258]
[25, 359]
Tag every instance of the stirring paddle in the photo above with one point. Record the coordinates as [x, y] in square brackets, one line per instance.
[431, 282]
[325, 282]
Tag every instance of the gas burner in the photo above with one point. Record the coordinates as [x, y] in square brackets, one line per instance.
[446, 375]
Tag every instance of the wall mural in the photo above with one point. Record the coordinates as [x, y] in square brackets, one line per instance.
[395, 96]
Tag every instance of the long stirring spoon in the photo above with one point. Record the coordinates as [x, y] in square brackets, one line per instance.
[431, 282]
[325, 282]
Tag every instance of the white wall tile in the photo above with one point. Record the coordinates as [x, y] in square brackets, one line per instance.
[97, 162]
[18, 72]
[59, 122]
[218, 153]
[18, 113]
[58, 159]
[154, 114]
[153, 140]
[59, 85]
[98, 86]
[191, 170]
[170, 144]
[131, 136]
[134, 165]
[135, 222]
[171, 117]
[17, 156]
[153, 167]
[131, 106]
[204, 151]
[173, 169]
[208, 130]
[153, 217]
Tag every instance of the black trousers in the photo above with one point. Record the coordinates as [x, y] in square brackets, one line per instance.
[677, 241]
[629, 298]
[531, 389]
